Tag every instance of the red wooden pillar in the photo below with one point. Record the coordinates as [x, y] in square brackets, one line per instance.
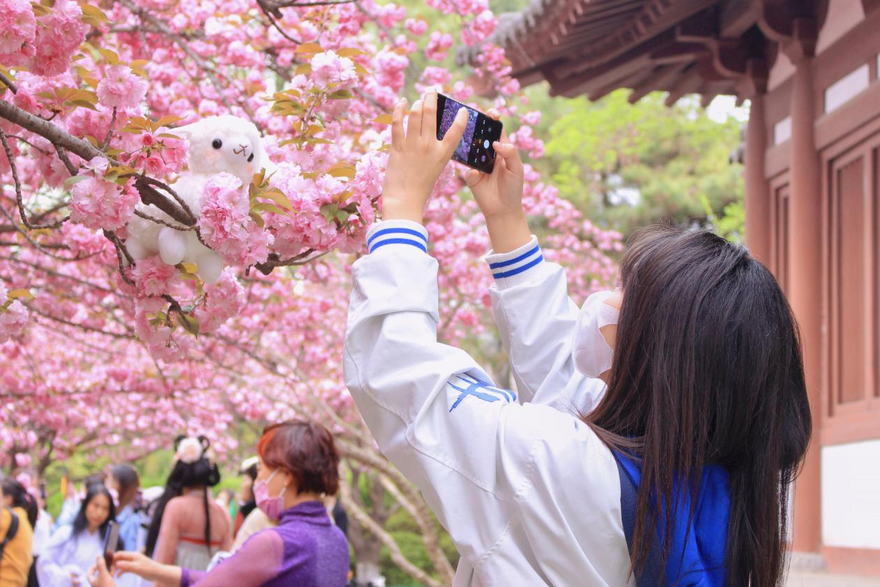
[805, 273]
[757, 196]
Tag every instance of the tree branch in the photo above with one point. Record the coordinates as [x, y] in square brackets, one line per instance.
[8, 83]
[47, 130]
[364, 519]
[18, 197]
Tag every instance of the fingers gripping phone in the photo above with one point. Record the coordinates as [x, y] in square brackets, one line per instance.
[111, 542]
[475, 149]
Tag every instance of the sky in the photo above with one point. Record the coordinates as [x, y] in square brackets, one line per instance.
[724, 106]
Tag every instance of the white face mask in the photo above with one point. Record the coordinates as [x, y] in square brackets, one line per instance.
[591, 353]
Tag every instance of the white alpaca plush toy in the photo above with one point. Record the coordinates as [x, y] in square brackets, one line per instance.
[216, 144]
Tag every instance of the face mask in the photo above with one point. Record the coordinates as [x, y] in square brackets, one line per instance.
[591, 353]
[271, 506]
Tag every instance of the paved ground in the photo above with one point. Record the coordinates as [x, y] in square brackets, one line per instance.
[819, 579]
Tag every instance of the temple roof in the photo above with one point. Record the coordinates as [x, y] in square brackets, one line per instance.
[593, 47]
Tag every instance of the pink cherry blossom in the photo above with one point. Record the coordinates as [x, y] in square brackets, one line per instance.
[438, 44]
[17, 27]
[120, 88]
[152, 277]
[100, 204]
[226, 225]
[225, 299]
[329, 68]
[60, 33]
[12, 320]
[416, 26]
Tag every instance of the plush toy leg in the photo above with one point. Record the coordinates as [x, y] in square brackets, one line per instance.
[210, 266]
[172, 245]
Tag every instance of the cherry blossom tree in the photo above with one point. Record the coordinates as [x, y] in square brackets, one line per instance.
[105, 354]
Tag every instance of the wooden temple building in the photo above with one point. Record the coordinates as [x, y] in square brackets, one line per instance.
[812, 166]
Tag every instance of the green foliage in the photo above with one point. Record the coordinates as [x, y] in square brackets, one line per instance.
[627, 166]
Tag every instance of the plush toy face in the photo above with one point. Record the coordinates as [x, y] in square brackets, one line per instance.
[223, 143]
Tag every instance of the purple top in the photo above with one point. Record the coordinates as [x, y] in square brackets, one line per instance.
[305, 550]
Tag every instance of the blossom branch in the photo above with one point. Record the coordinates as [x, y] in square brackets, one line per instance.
[8, 83]
[18, 197]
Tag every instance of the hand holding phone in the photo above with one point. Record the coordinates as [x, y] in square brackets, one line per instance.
[111, 542]
[476, 148]
[416, 158]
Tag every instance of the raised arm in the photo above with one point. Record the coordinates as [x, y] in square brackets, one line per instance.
[434, 412]
[534, 314]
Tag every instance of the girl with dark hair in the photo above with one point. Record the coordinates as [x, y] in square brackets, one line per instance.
[188, 526]
[16, 496]
[124, 480]
[674, 473]
[72, 550]
[298, 465]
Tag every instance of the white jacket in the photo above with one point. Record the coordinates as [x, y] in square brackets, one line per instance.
[527, 491]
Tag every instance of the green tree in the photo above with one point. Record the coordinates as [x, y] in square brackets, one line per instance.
[627, 166]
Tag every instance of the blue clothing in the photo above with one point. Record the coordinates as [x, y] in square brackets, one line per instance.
[698, 551]
[129, 526]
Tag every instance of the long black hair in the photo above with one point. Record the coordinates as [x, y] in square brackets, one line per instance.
[80, 523]
[201, 473]
[21, 499]
[707, 370]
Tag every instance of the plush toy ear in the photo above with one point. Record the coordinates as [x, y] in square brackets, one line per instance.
[178, 440]
[188, 131]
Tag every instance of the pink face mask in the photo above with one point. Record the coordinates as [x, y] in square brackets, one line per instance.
[271, 506]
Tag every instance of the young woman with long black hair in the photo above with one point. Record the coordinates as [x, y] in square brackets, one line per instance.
[72, 549]
[675, 473]
[188, 526]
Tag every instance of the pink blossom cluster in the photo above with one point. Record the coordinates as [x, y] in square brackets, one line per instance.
[18, 28]
[460, 7]
[479, 28]
[100, 204]
[58, 35]
[226, 225]
[438, 44]
[157, 155]
[224, 299]
[329, 68]
[121, 89]
[152, 277]
[416, 26]
[13, 316]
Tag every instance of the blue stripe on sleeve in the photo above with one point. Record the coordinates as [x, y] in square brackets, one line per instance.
[518, 270]
[385, 231]
[399, 241]
[501, 264]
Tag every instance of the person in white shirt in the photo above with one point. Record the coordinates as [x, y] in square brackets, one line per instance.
[71, 552]
[704, 418]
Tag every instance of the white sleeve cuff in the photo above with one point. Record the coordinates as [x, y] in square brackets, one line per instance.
[517, 264]
[405, 233]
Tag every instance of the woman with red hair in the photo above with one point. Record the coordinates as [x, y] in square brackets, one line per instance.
[298, 465]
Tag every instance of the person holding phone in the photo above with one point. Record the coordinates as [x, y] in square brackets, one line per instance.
[298, 464]
[71, 551]
[676, 472]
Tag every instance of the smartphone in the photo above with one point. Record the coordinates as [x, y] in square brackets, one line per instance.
[111, 542]
[475, 149]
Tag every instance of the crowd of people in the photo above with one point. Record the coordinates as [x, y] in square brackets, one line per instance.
[183, 534]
